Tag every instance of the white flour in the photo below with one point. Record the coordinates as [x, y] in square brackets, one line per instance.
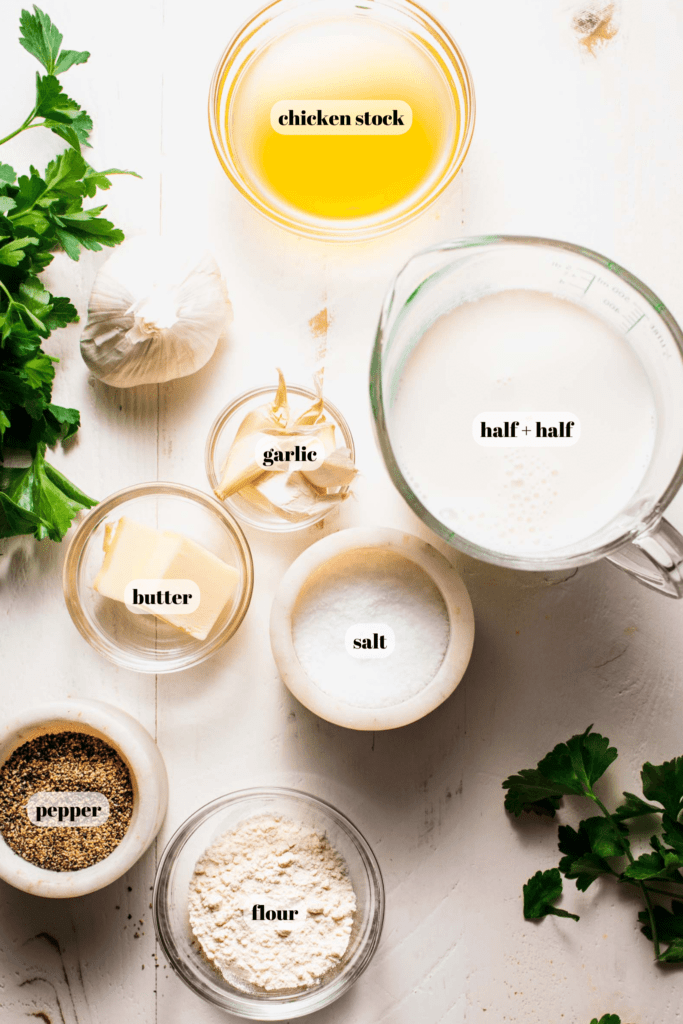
[276, 864]
[370, 586]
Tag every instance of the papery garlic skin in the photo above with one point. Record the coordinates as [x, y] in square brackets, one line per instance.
[154, 314]
[337, 470]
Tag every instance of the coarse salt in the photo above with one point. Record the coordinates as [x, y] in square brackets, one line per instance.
[371, 586]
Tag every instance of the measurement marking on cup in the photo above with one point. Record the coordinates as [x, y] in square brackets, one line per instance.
[572, 278]
[589, 284]
[636, 322]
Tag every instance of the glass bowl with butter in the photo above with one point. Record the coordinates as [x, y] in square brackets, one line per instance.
[157, 577]
[278, 501]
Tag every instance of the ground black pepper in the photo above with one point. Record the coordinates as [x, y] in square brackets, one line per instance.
[64, 762]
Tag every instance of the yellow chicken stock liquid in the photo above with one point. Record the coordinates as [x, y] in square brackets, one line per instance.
[333, 176]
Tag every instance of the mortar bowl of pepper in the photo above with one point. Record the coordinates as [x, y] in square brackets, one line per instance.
[56, 754]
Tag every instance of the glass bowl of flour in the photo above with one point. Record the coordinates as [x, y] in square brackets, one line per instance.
[268, 903]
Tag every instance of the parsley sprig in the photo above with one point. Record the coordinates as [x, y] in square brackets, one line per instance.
[601, 846]
[58, 113]
[40, 214]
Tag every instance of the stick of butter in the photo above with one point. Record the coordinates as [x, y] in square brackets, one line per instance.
[135, 552]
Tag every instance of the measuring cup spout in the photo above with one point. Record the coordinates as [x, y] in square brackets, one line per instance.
[655, 558]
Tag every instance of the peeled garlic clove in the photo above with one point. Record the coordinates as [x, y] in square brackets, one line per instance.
[306, 500]
[241, 467]
[258, 421]
[272, 495]
[325, 433]
[338, 470]
[296, 497]
[154, 314]
[253, 496]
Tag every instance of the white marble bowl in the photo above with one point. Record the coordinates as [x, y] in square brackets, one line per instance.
[328, 554]
[150, 792]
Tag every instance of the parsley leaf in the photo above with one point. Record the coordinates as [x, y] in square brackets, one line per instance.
[62, 115]
[39, 370]
[43, 40]
[69, 244]
[606, 839]
[634, 807]
[589, 851]
[540, 892]
[92, 179]
[585, 851]
[66, 421]
[87, 225]
[570, 768]
[609, 1018]
[40, 214]
[579, 762]
[61, 313]
[669, 923]
[12, 253]
[672, 833]
[39, 500]
[584, 869]
[663, 863]
[26, 195]
[674, 954]
[7, 174]
[63, 174]
[664, 783]
[531, 791]
[67, 59]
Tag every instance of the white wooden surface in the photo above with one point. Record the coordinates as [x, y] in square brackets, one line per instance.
[567, 144]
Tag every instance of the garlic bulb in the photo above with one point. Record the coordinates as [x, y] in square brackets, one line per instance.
[154, 314]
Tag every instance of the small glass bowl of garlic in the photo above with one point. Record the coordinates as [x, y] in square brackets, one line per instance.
[255, 457]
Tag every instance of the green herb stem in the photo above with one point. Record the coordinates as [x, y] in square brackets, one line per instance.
[21, 128]
[641, 885]
[650, 888]
[37, 499]
[573, 768]
[651, 915]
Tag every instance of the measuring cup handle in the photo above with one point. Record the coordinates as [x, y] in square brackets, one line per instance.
[662, 567]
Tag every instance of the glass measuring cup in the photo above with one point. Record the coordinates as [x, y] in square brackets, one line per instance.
[440, 279]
